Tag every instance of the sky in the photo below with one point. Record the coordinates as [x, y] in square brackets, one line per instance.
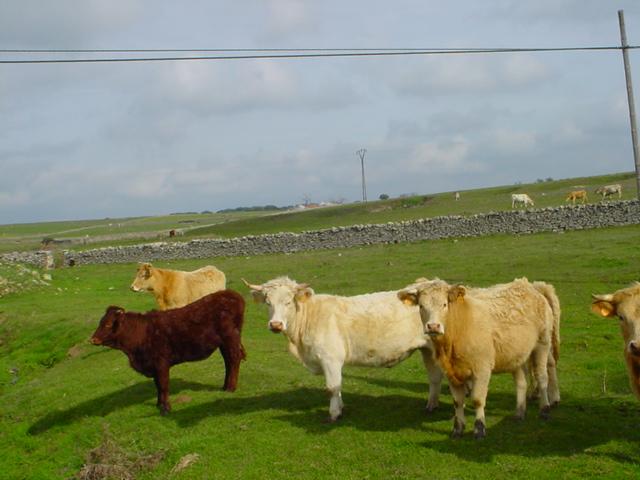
[97, 140]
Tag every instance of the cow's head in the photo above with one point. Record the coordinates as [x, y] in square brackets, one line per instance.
[435, 298]
[283, 296]
[144, 278]
[625, 305]
[107, 332]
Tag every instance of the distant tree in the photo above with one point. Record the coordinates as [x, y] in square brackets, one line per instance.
[383, 196]
[548, 179]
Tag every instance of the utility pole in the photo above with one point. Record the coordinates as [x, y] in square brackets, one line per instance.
[361, 154]
[632, 108]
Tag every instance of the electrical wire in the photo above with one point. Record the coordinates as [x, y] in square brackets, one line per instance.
[296, 53]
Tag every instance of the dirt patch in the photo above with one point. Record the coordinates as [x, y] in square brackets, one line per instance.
[110, 461]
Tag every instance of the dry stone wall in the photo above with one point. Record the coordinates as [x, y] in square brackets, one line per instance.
[553, 219]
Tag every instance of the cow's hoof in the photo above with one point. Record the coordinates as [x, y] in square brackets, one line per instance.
[164, 410]
[330, 419]
[456, 433]
[479, 430]
[545, 413]
[431, 408]
[519, 417]
[555, 403]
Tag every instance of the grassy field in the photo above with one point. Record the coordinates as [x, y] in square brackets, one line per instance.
[66, 403]
[109, 232]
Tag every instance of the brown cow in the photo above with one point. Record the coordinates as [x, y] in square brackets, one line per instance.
[156, 340]
[576, 195]
[175, 288]
[625, 304]
[483, 330]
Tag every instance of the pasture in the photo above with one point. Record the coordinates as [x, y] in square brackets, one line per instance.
[126, 231]
[66, 403]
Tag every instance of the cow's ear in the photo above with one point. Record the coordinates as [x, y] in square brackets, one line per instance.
[408, 296]
[457, 293]
[258, 296]
[303, 292]
[603, 305]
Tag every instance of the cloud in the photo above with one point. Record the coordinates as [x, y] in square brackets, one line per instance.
[471, 75]
[63, 23]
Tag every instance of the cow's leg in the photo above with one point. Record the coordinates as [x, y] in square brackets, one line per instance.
[435, 379]
[162, 382]
[479, 399]
[554, 387]
[541, 356]
[333, 379]
[232, 355]
[458, 393]
[520, 379]
[157, 384]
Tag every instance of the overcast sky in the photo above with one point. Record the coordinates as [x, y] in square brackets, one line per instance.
[80, 141]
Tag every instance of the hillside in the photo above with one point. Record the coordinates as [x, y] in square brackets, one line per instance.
[96, 233]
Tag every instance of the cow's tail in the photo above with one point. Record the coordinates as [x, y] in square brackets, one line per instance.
[243, 352]
[549, 293]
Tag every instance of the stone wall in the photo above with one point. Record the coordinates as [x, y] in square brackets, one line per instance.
[41, 258]
[553, 219]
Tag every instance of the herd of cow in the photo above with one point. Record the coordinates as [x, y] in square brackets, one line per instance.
[462, 332]
[605, 191]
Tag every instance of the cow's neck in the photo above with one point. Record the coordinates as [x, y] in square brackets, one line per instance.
[296, 327]
[134, 333]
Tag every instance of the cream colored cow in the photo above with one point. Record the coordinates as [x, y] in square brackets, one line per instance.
[326, 332]
[521, 198]
[625, 304]
[175, 288]
[480, 331]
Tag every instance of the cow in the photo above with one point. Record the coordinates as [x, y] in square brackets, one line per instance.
[577, 195]
[326, 332]
[457, 196]
[175, 288]
[157, 340]
[625, 304]
[608, 190]
[518, 198]
[479, 331]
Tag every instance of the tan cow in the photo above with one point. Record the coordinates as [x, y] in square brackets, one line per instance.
[175, 288]
[326, 332]
[625, 304]
[483, 330]
[577, 195]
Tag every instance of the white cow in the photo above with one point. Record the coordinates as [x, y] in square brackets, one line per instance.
[608, 190]
[326, 332]
[518, 198]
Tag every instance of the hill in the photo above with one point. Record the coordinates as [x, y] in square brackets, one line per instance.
[96, 233]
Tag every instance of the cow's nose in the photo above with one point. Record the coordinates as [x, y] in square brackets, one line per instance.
[95, 341]
[434, 328]
[634, 347]
[276, 327]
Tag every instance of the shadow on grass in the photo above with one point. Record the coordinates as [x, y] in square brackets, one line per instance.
[101, 406]
[578, 426]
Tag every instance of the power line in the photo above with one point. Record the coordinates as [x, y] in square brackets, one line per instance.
[310, 53]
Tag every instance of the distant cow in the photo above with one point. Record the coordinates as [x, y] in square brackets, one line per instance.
[518, 198]
[457, 196]
[577, 195]
[155, 341]
[175, 288]
[326, 332]
[172, 233]
[625, 304]
[609, 190]
[483, 330]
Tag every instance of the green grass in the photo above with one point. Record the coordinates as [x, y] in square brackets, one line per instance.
[545, 194]
[62, 398]
[128, 231]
